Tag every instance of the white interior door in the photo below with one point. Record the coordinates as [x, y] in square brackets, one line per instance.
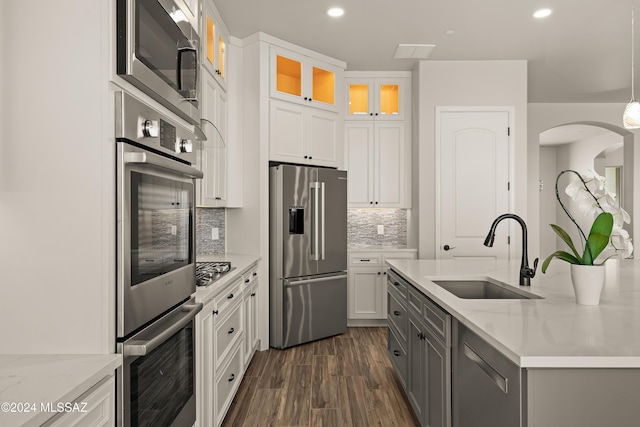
[473, 183]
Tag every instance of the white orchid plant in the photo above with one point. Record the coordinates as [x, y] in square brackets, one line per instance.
[597, 204]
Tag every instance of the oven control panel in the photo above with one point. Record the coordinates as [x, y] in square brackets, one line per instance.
[144, 125]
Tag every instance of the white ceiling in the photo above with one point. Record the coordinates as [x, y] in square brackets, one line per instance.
[581, 53]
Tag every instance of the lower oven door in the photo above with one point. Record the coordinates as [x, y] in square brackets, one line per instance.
[156, 385]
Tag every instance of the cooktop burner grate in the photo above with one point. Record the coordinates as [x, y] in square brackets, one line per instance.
[210, 271]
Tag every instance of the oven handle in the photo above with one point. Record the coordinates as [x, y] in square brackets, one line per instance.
[163, 163]
[142, 348]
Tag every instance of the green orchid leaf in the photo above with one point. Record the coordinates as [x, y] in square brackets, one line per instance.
[565, 256]
[598, 237]
[565, 238]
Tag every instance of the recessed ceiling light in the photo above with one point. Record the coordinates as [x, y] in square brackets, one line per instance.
[542, 13]
[335, 11]
[450, 31]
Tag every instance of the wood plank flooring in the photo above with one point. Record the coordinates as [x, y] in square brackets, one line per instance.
[346, 380]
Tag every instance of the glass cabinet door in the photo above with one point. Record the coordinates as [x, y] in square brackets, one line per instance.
[303, 80]
[371, 98]
[288, 76]
[214, 45]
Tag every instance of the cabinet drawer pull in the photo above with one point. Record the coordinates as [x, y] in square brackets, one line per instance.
[396, 353]
[232, 377]
[395, 283]
[396, 313]
[231, 331]
[365, 260]
[229, 296]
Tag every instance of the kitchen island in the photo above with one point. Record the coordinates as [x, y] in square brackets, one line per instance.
[580, 365]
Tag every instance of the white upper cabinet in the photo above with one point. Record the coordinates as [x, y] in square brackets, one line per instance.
[376, 98]
[379, 165]
[212, 156]
[304, 135]
[304, 80]
[214, 39]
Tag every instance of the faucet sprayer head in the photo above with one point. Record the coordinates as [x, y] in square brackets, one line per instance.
[489, 240]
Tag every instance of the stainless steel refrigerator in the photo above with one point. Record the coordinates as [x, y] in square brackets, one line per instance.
[308, 254]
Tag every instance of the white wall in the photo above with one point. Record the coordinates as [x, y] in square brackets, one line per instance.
[548, 173]
[57, 224]
[465, 83]
[543, 116]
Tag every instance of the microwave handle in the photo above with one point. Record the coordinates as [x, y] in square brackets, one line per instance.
[142, 348]
[193, 50]
[162, 163]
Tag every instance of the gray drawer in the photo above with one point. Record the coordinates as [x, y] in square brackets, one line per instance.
[397, 355]
[397, 284]
[397, 315]
[438, 320]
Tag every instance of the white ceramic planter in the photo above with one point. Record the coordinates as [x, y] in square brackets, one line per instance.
[587, 281]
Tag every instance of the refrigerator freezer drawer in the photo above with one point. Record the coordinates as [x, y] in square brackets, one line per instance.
[313, 308]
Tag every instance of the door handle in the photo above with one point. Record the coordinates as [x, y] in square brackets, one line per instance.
[315, 230]
[448, 248]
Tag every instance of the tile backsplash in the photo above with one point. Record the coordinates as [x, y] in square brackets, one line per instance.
[362, 227]
[206, 219]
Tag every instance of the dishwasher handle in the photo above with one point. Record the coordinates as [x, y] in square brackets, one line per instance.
[494, 375]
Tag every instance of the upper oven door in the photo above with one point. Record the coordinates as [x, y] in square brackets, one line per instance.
[157, 51]
[156, 235]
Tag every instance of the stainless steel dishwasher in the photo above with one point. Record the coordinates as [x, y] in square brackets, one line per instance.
[487, 385]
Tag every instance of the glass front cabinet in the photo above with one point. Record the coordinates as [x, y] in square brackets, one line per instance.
[376, 98]
[304, 80]
[214, 39]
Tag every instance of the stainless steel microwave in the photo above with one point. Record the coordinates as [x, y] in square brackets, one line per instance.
[157, 51]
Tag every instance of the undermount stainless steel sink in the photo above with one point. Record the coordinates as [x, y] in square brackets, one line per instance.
[481, 289]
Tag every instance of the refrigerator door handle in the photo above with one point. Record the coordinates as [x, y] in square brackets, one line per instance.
[290, 282]
[323, 217]
[315, 222]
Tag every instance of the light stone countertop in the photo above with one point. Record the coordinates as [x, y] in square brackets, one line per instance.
[241, 262]
[41, 378]
[553, 332]
[380, 248]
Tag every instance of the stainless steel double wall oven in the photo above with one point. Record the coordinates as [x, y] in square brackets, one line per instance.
[155, 266]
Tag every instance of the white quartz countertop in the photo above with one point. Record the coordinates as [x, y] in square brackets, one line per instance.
[27, 381]
[241, 262]
[380, 248]
[552, 332]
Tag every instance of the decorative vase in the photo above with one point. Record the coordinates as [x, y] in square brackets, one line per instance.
[587, 281]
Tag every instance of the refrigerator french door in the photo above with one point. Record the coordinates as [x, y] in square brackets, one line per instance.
[308, 254]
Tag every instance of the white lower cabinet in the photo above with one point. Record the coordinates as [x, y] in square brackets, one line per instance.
[367, 296]
[96, 407]
[226, 340]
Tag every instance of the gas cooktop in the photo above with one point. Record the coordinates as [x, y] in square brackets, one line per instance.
[209, 272]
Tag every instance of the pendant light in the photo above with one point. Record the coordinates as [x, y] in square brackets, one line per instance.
[631, 117]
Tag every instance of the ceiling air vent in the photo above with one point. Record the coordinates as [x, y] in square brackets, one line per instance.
[413, 51]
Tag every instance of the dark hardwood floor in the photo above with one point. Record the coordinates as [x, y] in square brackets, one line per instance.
[346, 380]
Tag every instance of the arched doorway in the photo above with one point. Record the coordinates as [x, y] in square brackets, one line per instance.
[580, 146]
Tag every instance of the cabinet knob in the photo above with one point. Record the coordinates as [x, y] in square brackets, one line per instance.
[376, 114]
[246, 280]
[229, 296]
[215, 312]
[396, 353]
[371, 114]
[232, 377]
[306, 157]
[378, 273]
[310, 99]
[306, 99]
[255, 273]
[396, 313]
[230, 331]
[253, 294]
[370, 203]
[376, 203]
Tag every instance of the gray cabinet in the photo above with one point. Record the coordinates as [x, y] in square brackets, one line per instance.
[427, 336]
